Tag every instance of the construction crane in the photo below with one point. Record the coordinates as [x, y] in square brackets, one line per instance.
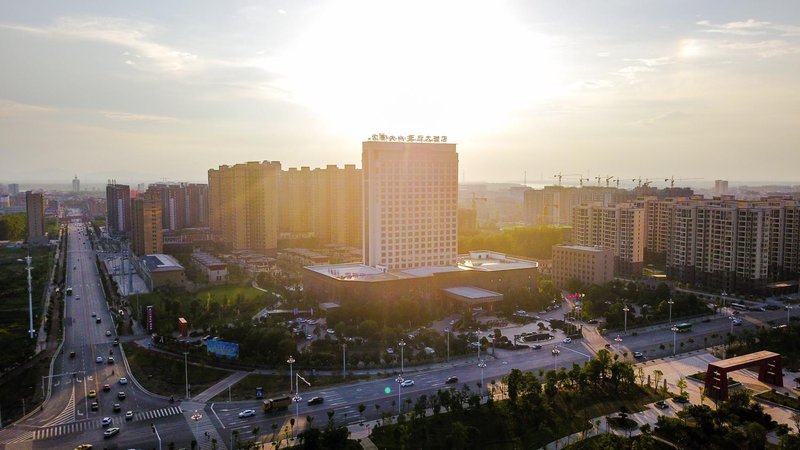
[672, 180]
[562, 175]
[609, 178]
[581, 180]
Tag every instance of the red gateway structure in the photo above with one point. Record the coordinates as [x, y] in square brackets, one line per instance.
[770, 371]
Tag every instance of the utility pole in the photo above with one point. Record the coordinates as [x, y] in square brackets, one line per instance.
[31, 332]
[186, 372]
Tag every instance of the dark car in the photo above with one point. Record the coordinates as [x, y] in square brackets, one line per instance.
[593, 321]
[451, 380]
[117, 408]
[121, 395]
[661, 404]
[316, 401]
[536, 346]
[95, 406]
[71, 354]
[98, 320]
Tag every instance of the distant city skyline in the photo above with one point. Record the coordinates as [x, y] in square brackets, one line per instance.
[152, 91]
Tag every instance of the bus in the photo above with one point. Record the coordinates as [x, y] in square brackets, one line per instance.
[739, 306]
[684, 327]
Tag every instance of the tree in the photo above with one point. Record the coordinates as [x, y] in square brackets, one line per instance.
[657, 374]
[361, 409]
[681, 384]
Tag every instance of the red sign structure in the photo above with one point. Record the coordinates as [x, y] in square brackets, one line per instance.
[183, 326]
[770, 371]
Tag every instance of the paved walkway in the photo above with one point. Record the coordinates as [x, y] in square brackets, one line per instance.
[202, 428]
[220, 386]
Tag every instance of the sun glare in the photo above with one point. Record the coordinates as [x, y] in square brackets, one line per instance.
[459, 68]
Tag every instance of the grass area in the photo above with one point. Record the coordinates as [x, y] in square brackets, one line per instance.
[781, 399]
[701, 377]
[608, 441]
[274, 385]
[163, 374]
[22, 383]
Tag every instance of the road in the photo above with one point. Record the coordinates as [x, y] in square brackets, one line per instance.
[67, 418]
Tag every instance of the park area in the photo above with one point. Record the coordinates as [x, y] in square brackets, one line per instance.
[163, 374]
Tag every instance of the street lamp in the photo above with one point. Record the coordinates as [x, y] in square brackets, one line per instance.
[578, 312]
[788, 309]
[724, 296]
[674, 338]
[482, 365]
[290, 361]
[725, 348]
[625, 310]
[555, 353]
[196, 417]
[447, 330]
[670, 303]
[399, 381]
[618, 339]
[186, 372]
[402, 344]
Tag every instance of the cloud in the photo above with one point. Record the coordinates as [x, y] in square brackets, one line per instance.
[133, 117]
[10, 108]
[652, 62]
[665, 117]
[749, 27]
[765, 49]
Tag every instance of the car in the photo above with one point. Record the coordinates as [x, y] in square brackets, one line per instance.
[116, 342]
[661, 404]
[451, 380]
[111, 432]
[92, 393]
[84, 447]
[98, 320]
[390, 351]
[99, 360]
[77, 297]
[301, 320]
[311, 322]
[737, 322]
[95, 406]
[71, 354]
[123, 380]
[638, 355]
[316, 401]
[309, 337]
[330, 331]
[117, 408]
[106, 421]
[521, 312]
[111, 360]
[593, 321]
[452, 322]
[536, 346]
[128, 415]
[108, 332]
[121, 395]
[407, 383]
[567, 340]
[94, 314]
[106, 388]
[247, 413]
[608, 345]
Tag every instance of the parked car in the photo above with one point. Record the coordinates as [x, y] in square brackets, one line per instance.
[316, 401]
[247, 413]
[661, 404]
[567, 340]
[536, 346]
[330, 331]
[451, 380]
[593, 321]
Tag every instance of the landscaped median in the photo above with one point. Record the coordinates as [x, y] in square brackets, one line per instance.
[781, 399]
[274, 385]
[163, 374]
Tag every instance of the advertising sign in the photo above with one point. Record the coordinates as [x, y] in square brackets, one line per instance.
[149, 319]
[220, 348]
[259, 392]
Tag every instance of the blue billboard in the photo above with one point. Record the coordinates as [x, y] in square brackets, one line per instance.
[220, 348]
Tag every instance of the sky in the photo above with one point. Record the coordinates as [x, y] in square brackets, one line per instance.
[152, 90]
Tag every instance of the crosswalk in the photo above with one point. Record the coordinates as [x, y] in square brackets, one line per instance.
[68, 415]
[76, 427]
[17, 439]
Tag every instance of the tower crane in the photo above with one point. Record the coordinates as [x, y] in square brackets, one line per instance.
[609, 178]
[672, 180]
[641, 182]
[581, 180]
[562, 175]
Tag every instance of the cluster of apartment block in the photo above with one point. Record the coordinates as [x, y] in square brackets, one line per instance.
[253, 205]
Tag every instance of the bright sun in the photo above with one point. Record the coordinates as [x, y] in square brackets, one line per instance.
[444, 67]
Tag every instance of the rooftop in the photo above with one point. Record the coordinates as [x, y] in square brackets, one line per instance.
[584, 248]
[161, 263]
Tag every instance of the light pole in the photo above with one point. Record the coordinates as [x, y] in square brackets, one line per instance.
[625, 310]
[290, 361]
[618, 339]
[196, 417]
[344, 360]
[297, 399]
[482, 365]
[555, 353]
[186, 372]
[788, 310]
[578, 312]
[402, 345]
[447, 330]
[725, 346]
[670, 303]
[153, 426]
[724, 296]
[399, 381]
[674, 338]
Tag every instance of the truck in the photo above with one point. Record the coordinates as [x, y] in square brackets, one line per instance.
[277, 404]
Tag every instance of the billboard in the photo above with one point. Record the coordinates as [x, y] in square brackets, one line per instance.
[149, 319]
[220, 348]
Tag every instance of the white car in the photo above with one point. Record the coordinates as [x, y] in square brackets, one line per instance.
[638, 355]
[123, 380]
[390, 351]
[99, 359]
[108, 332]
[106, 421]
[330, 331]
[407, 383]
[567, 340]
[128, 415]
[247, 413]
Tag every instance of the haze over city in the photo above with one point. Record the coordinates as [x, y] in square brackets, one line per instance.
[150, 91]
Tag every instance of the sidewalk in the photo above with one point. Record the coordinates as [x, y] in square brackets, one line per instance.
[201, 426]
[220, 386]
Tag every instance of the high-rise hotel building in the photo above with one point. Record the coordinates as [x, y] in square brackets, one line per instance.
[118, 206]
[620, 228]
[410, 204]
[147, 236]
[34, 207]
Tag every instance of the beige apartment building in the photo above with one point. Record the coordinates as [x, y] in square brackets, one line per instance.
[619, 227]
[553, 205]
[34, 207]
[589, 265]
[658, 227]
[410, 204]
[147, 236]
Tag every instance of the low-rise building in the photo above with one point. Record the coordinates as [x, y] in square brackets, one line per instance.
[161, 270]
[589, 265]
[212, 267]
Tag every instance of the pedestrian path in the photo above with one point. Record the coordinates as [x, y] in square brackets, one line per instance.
[15, 438]
[220, 386]
[204, 431]
[157, 413]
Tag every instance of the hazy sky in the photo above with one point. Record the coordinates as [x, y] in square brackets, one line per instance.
[149, 90]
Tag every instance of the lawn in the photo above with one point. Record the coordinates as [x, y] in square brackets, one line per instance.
[274, 385]
[781, 399]
[164, 374]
